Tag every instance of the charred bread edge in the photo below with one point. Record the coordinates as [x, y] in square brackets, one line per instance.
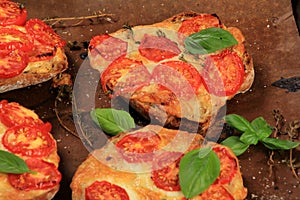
[59, 64]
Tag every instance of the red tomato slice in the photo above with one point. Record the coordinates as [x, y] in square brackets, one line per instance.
[110, 48]
[165, 174]
[43, 33]
[124, 75]
[216, 192]
[12, 13]
[12, 63]
[12, 38]
[100, 190]
[138, 147]
[41, 52]
[13, 114]
[224, 73]
[157, 48]
[46, 176]
[178, 76]
[228, 165]
[29, 140]
[198, 23]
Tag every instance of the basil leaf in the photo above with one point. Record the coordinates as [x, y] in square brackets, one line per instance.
[273, 143]
[112, 121]
[10, 163]
[204, 151]
[249, 137]
[239, 122]
[197, 174]
[262, 128]
[209, 40]
[233, 142]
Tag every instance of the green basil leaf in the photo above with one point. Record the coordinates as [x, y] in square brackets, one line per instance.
[233, 142]
[238, 122]
[209, 40]
[273, 143]
[10, 163]
[262, 128]
[249, 137]
[112, 121]
[197, 174]
[259, 123]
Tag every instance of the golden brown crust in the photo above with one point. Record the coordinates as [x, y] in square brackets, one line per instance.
[36, 72]
[106, 164]
[6, 193]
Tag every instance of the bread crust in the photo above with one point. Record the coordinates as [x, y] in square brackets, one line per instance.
[36, 72]
[136, 178]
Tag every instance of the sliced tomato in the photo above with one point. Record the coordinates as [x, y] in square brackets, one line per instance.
[110, 48]
[223, 73]
[29, 140]
[124, 75]
[45, 176]
[11, 38]
[101, 190]
[41, 52]
[138, 147]
[13, 114]
[198, 23]
[165, 173]
[12, 63]
[157, 48]
[43, 33]
[178, 76]
[228, 165]
[216, 192]
[12, 13]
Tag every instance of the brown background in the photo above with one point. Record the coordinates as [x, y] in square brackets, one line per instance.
[272, 40]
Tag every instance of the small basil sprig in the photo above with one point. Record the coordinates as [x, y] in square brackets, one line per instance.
[10, 163]
[198, 169]
[112, 121]
[253, 132]
[209, 40]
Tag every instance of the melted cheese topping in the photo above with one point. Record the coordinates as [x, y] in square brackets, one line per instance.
[45, 66]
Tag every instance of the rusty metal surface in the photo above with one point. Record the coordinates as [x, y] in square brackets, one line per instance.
[272, 40]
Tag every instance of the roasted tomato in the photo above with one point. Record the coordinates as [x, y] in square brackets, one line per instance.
[44, 176]
[216, 192]
[157, 48]
[124, 75]
[12, 114]
[104, 190]
[228, 165]
[12, 38]
[178, 76]
[12, 63]
[29, 140]
[41, 52]
[165, 173]
[138, 147]
[223, 73]
[110, 48]
[12, 13]
[198, 23]
[43, 33]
